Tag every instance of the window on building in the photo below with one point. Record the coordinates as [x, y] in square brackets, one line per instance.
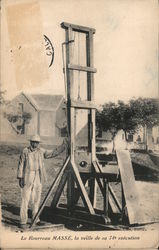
[138, 138]
[99, 133]
[63, 132]
[21, 107]
[130, 138]
[123, 137]
[157, 141]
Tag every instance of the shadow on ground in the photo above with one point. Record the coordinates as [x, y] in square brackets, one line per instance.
[10, 219]
[10, 215]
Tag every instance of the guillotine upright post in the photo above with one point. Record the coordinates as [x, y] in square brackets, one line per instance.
[73, 104]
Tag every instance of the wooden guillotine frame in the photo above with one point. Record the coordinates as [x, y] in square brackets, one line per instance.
[81, 166]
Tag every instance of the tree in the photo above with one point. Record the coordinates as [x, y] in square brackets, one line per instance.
[2, 97]
[2, 100]
[18, 121]
[26, 117]
[128, 117]
[146, 113]
[107, 119]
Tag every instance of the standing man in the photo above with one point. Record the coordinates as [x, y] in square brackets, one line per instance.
[31, 174]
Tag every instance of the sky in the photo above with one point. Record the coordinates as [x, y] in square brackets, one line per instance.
[125, 46]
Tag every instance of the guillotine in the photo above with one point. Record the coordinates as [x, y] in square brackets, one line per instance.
[81, 172]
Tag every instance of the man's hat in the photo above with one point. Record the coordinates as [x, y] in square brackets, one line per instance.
[35, 138]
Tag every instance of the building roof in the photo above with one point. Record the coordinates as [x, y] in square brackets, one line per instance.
[44, 101]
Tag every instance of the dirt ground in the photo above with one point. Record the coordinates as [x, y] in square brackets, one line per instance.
[10, 191]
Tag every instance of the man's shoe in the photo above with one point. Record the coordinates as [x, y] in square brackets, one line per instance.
[40, 224]
[23, 226]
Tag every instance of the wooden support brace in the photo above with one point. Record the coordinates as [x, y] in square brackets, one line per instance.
[92, 189]
[59, 190]
[81, 186]
[50, 191]
[77, 191]
[100, 184]
[106, 197]
[113, 200]
[98, 179]
[70, 191]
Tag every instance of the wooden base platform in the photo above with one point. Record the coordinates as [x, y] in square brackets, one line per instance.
[80, 217]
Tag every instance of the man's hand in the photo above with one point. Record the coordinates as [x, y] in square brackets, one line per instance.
[21, 182]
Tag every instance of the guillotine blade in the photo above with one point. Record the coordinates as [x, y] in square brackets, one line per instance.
[82, 140]
[131, 193]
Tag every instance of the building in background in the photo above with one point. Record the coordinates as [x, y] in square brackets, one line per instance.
[143, 139]
[48, 117]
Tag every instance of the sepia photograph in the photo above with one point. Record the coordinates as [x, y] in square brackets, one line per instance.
[79, 124]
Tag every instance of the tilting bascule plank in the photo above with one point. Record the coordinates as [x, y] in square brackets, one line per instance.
[129, 189]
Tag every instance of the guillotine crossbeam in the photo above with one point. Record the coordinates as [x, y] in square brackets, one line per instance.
[78, 28]
[81, 68]
[82, 104]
